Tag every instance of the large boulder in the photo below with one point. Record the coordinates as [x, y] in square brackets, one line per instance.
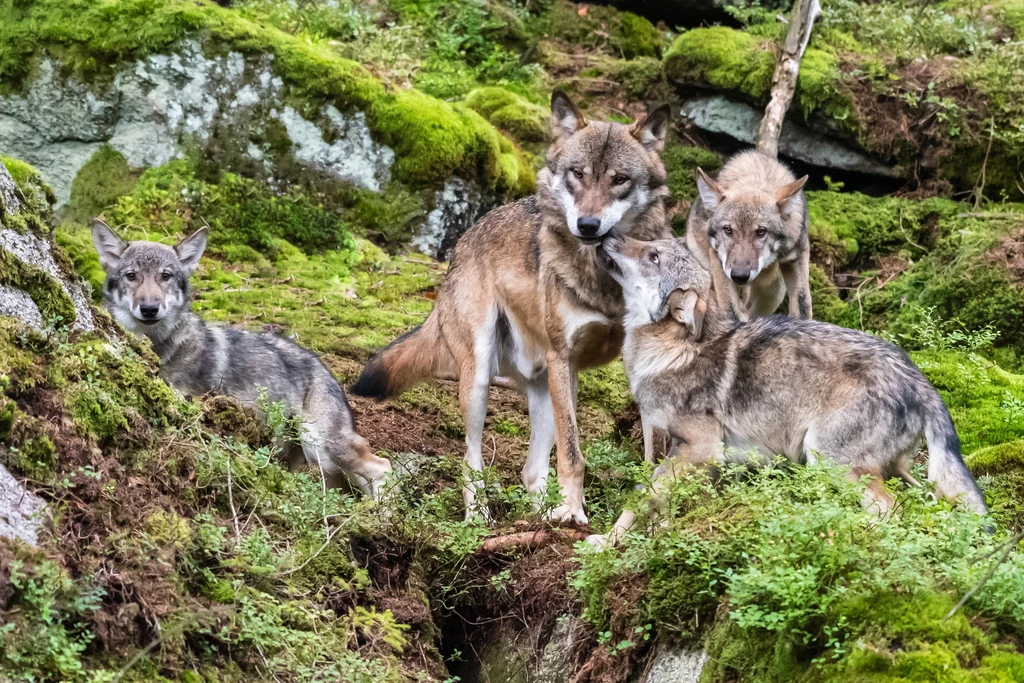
[248, 99]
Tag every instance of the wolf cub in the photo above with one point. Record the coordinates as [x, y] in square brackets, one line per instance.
[780, 386]
[749, 229]
[147, 292]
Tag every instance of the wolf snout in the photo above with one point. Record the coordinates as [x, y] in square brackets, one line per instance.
[588, 226]
[149, 311]
[740, 277]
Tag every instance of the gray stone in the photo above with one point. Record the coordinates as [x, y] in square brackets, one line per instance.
[676, 665]
[457, 206]
[738, 120]
[15, 303]
[22, 513]
[35, 251]
[353, 156]
[156, 105]
[513, 655]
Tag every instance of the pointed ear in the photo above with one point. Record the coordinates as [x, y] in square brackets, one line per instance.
[784, 195]
[108, 245]
[708, 190]
[651, 129]
[687, 308]
[566, 117]
[190, 249]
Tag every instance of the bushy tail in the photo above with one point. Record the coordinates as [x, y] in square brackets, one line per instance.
[946, 467]
[412, 358]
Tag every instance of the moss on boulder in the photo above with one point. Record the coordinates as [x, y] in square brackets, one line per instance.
[516, 116]
[738, 62]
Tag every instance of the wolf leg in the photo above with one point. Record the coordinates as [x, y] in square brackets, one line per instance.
[797, 277]
[474, 383]
[562, 383]
[542, 438]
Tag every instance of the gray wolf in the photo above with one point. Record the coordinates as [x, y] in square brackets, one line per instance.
[526, 297]
[776, 385]
[147, 292]
[749, 229]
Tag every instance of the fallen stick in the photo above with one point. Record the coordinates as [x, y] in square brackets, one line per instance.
[529, 540]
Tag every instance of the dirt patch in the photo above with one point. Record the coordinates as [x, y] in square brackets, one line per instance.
[908, 121]
[1010, 252]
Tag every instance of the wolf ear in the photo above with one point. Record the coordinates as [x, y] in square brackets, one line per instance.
[190, 249]
[651, 129]
[108, 245]
[784, 195]
[566, 118]
[710, 193]
[687, 308]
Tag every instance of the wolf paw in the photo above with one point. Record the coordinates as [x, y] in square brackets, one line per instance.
[598, 541]
[479, 513]
[567, 513]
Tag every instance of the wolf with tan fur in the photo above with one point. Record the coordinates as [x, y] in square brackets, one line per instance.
[773, 386]
[749, 229]
[526, 297]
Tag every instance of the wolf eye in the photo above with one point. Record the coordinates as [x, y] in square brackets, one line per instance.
[727, 229]
[761, 232]
[166, 276]
[654, 258]
[620, 180]
[577, 173]
[130, 276]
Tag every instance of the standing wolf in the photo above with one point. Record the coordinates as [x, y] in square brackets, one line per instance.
[526, 296]
[749, 229]
[777, 385]
[147, 292]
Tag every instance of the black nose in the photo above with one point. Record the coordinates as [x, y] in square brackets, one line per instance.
[740, 277]
[149, 311]
[588, 226]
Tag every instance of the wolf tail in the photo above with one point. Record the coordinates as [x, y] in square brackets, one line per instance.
[946, 467]
[414, 357]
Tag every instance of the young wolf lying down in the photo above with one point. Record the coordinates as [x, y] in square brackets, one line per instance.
[147, 292]
[785, 386]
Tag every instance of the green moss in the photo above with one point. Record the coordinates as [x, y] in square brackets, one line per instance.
[732, 60]
[53, 302]
[967, 276]
[516, 116]
[851, 226]
[607, 387]
[983, 399]
[681, 163]
[827, 305]
[431, 139]
[99, 183]
[638, 37]
[1000, 471]
[39, 195]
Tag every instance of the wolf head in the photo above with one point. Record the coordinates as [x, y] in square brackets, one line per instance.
[147, 282]
[747, 226]
[602, 175]
[658, 278]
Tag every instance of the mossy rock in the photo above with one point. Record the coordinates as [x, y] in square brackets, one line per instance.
[99, 183]
[432, 139]
[970, 275]
[737, 62]
[638, 37]
[39, 195]
[516, 116]
[853, 227]
[1000, 471]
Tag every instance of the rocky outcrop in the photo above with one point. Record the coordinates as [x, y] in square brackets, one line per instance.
[231, 106]
[740, 121]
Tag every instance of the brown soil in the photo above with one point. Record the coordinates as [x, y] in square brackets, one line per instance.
[1010, 252]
